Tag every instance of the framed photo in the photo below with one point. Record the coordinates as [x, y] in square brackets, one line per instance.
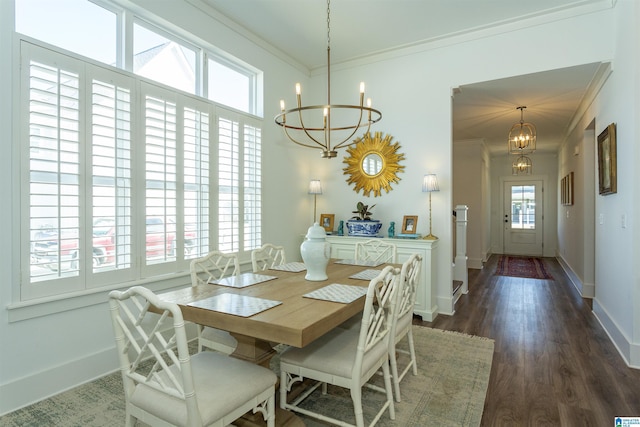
[326, 222]
[409, 224]
[607, 172]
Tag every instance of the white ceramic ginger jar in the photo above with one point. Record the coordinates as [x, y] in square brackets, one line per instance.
[315, 251]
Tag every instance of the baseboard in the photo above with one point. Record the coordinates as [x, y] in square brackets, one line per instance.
[587, 290]
[630, 352]
[44, 384]
[428, 315]
[41, 385]
[475, 263]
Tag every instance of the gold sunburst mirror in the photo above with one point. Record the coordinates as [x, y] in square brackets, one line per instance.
[373, 164]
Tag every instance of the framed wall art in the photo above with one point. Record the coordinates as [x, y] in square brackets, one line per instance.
[607, 167]
[326, 222]
[566, 189]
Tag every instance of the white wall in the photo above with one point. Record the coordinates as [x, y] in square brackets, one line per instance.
[598, 250]
[412, 87]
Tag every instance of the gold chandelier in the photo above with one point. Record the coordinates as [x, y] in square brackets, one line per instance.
[522, 166]
[522, 136]
[314, 126]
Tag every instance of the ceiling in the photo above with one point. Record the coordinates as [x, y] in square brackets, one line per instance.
[361, 28]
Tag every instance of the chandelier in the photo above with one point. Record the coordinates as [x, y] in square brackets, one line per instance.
[522, 136]
[327, 127]
[522, 166]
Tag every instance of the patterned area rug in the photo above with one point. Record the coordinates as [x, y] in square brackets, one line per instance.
[449, 390]
[527, 267]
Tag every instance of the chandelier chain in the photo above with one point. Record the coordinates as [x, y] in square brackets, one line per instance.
[328, 24]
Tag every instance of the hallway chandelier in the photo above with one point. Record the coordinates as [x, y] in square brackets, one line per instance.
[314, 126]
[522, 136]
[522, 166]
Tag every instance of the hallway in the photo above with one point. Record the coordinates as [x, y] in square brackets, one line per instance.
[553, 363]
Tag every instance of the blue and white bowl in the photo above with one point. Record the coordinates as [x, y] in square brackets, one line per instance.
[369, 228]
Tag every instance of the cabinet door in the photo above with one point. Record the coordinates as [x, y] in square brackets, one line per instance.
[342, 251]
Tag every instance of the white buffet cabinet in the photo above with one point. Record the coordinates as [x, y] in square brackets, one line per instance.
[343, 247]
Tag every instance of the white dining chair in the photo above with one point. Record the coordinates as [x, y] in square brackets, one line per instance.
[371, 250]
[166, 386]
[214, 266]
[347, 358]
[376, 250]
[267, 256]
[402, 324]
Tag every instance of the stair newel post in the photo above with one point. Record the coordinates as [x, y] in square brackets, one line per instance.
[460, 261]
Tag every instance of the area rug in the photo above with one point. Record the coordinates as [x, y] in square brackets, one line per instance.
[449, 390]
[518, 266]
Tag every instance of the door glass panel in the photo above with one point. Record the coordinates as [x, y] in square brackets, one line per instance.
[523, 207]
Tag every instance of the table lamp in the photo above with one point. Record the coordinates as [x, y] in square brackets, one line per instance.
[429, 185]
[315, 188]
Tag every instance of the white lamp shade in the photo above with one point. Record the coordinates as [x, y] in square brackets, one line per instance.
[430, 183]
[315, 187]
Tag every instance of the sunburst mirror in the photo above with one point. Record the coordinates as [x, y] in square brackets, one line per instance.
[373, 164]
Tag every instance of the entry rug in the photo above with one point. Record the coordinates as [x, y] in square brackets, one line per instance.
[527, 267]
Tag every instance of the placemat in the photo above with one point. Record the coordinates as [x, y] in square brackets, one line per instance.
[338, 293]
[238, 305]
[368, 274]
[294, 267]
[369, 263]
[242, 280]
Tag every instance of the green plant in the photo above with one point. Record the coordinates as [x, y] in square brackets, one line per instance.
[362, 212]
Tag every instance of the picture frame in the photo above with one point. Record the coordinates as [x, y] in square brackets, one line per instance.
[409, 224]
[607, 162]
[327, 221]
[566, 189]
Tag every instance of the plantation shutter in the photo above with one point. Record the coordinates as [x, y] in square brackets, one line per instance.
[228, 186]
[252, 187]
[54, 169]
[111, 176]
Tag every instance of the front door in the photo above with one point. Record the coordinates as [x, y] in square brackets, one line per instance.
[523, 218]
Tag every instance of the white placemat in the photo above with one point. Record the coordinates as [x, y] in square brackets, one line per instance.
[238, 305]
[338, 293]
[357, 262]
[366, 274]
[243, 280]
[294, 267]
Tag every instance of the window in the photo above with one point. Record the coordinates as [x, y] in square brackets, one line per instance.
[60, 22]
[102, 210]
[156, 53]
[523, 207]
[229, 86]
[164, 60]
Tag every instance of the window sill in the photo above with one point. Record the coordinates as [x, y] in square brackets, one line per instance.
[25, 310]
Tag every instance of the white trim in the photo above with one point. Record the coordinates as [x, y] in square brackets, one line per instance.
[629, 351]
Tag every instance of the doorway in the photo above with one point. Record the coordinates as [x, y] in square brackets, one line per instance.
[522, 218]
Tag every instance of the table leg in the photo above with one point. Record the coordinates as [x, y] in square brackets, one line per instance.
[253, 350]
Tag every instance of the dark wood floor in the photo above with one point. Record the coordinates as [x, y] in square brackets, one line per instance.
[553, 363]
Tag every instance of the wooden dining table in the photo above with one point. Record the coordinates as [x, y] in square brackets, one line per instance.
[297, 320]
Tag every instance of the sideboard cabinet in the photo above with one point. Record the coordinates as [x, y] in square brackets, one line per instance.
[343, 247]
